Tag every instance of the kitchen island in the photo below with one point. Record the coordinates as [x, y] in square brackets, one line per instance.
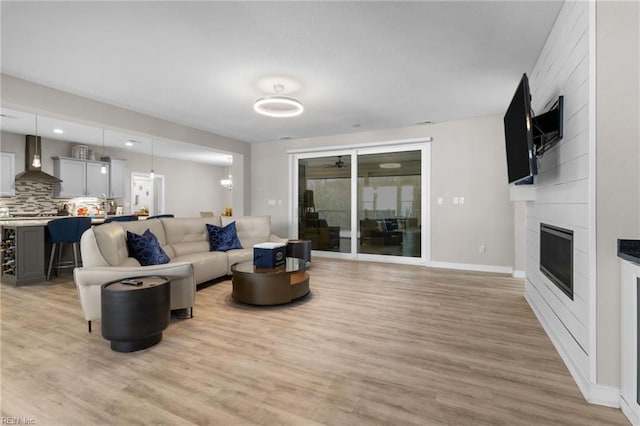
[23, 252]
[23, 248]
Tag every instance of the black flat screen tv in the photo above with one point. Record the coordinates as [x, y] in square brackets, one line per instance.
[521, 156]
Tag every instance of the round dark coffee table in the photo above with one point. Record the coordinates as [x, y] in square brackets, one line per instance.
[134, 316]
[270, 286]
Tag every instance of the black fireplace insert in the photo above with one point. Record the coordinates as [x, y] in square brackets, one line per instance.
[556, 256]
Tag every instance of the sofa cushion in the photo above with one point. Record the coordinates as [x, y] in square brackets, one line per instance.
[111, 242]
[182, 249]
[223, 238]
[146, 249]
[206, 266]
[237, 256]
[250, 229]
[183, 230]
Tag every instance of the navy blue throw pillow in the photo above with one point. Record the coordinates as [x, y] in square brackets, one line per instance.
[146, 249]
[223, 239]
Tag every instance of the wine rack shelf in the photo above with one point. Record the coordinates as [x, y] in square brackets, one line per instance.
[22, 250]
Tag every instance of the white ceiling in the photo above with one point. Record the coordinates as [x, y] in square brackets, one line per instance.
[355, 65]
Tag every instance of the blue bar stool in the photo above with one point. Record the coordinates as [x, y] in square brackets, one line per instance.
[161, 216]
[126, 218]
[66, 230]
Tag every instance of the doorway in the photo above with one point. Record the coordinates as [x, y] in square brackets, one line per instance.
[365, 203]
[147, 193]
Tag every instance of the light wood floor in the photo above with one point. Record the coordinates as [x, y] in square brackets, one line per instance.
[372, 344]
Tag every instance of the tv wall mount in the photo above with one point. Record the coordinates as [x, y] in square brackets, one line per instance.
[548, 128]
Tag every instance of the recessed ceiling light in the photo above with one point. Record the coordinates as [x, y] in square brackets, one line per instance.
[128, 143]
[390, 165]
[58, 131]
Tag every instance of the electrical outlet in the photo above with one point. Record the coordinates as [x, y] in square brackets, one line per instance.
[455, 200]
[461, 200]
[482, 248]
[440, 201]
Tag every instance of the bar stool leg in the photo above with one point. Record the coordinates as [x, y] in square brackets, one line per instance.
[75, 254]
[53, 252]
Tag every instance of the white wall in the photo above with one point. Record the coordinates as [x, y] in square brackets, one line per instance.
[519, 236]
[589, 183]
[31, 97]
[467, 159]
[189, 187]
[617, 173]
[562, 185]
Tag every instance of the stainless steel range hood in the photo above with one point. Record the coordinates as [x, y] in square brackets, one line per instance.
[34, 174]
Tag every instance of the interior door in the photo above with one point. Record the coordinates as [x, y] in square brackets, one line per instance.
[147, 193]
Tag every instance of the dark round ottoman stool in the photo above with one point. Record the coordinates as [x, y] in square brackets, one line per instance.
[134, 316]
[300, 249]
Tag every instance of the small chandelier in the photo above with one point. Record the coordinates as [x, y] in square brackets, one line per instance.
[36, 157]
[227, 183]
[103, 167]
[152, 174]
[277, 105]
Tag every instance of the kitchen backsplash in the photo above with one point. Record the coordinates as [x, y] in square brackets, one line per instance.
[32, 197]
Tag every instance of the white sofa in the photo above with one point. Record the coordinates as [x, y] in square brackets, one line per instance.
[185, 240]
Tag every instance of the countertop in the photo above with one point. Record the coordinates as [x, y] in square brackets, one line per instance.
[629, 250]
[41, 221]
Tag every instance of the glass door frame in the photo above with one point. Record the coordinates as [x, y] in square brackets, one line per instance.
[293, 195]
[421, 145]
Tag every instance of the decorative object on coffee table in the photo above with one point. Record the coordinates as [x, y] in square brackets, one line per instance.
[300, 249]
[135, 311]
[269, 255]
[270, 286]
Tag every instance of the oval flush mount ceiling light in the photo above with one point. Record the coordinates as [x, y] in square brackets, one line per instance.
[277, 105]
[390, 165]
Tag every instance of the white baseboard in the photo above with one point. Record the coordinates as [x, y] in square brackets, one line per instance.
[609, 396]
[518, 274]
[593, 393]
[633, 416]
[472, 267]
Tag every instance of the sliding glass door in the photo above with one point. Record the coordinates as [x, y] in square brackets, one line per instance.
[389, 204]
[368, 203]
[324, 202]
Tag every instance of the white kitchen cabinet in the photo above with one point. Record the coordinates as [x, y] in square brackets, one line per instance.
[7, 174]
[97, 182]
[84, 178]
[117, 177]
[73, 173]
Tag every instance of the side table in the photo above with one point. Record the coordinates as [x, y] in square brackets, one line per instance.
[134, 316]
[300, 249]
